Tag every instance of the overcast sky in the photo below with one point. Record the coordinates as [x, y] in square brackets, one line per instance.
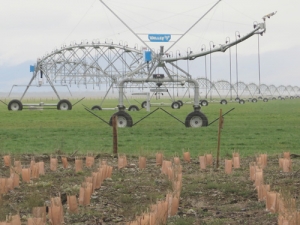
[31, 28]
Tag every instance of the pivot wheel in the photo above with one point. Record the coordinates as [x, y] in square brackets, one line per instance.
[64, 104]
[223, 102]
[204, 103]
[180, 102]
[242, 102]
[196, 119]
[96, 107]
[15, 105]
[254, 100]
[175, 105]
[265, 100]
[133, 108]
[124, 119]
[144, 104]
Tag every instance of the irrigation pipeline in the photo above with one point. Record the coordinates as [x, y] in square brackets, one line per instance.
[222, 116]
[86, 108]
[43, 108]
[51, 108]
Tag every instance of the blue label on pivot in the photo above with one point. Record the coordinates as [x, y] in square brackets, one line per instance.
[32, 68]
[159, 37]
[147, 56]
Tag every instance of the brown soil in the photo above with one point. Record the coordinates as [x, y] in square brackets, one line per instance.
[208, 196]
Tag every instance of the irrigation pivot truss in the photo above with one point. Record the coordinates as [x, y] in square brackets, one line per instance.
[119, 66]
[223, 91]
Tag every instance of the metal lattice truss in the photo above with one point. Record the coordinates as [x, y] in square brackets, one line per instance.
[87, 64]
[222, 89]
[92, 64]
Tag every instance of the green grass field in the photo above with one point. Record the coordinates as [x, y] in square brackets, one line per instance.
[252, 128]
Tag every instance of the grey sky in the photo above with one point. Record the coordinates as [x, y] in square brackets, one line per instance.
[31, 28]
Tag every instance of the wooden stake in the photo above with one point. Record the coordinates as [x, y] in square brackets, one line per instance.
[115, 135]
[219, 137]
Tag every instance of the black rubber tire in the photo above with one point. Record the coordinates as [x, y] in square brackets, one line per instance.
[282, 99]
[223, 102]
[15, 105]
[204, 103]
[273, 98]
[64, 104]
[254, 100]
[260, 98]
[196, 119]
[144, 104]
[242, 102]
[175, 105]
[180, 102]
[124, 119]
[133, 108]
[237, 99]
[265, 100]
[291, 97]
[96, 107]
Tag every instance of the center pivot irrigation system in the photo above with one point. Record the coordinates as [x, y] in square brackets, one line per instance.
[117, 65]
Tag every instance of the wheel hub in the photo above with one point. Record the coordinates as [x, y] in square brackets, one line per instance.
[15, 106]
[196, 121]
[122, 122]
[64, 106]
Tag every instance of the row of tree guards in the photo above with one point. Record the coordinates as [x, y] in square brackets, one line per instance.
[157, 213]
[55, 208]
[281, 203]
